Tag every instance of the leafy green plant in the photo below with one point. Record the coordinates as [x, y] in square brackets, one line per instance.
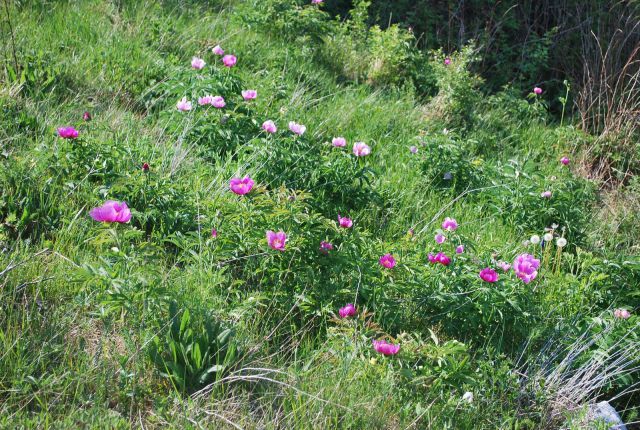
[193, 352]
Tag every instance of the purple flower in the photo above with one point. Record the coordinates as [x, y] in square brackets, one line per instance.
[385, 348]
[111, 211]
[504, 265]
[440, 238]
[325, 247]
[68, 132]
[565, 161]
[459, 249]
[526, 267]
[269, 126]
[276, 241]
[241, 186]
[86, 116]
[249, 94]
[449, 224]
[217, 50]
[229, 60]
[298, 129]
[387, 261]
[537, 91]
[545, 194]
[489, 275]
[348, 311]
[622, 314]
[214, 233]
[197, 63]
[361, 149]
[339, 142]
[345, 222]
[447, 61]
[183, 105]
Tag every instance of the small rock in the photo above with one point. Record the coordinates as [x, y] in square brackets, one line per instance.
[603, 411]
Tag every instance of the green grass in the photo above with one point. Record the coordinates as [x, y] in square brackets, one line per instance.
[83, 303]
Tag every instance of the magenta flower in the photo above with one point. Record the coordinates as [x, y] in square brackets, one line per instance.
[269, 126]
[217, 50]
[526, 267]
[249, 94]
[413, 149]
[68, 132]
[145, 167]
[111, 211]
[183, 105]
[565, 161]
[86, 116]
[298, 129]
[339, 142]
[348, 311]
[325, 247]
[345, 222]
[387, 261]
[545, 194]
[537, 91]
[241, 186]
[622, 314]
[197, 63]
[459, 249]
[317, 1]
[206, 100]
[489, 275]
[440, 257]
[229, 60]
[449, 224]
[385, 348]
[504, 265]
[218, 102]
[440, 238]
[276, 241]
[447, 61]
[361, 149]
[214, 233]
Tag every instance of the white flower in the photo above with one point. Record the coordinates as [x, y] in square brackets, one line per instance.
[535, 239]
[548, 237]
[468, 397]
[561, 242]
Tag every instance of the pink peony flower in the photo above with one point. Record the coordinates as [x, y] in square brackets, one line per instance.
[440, 257]
[385, 348]
[229, 60]
[440, 238]
[459, 249]
[622, 314]
[325, 247]
[197, 63]
[269, 126]
[565, 161]
[387, 261]
[526, 267]
[68, 132]
[214, 233]
[218, 102]
[447, 61]
[217, 50]
[86, 116]
[504, 265]
[317, 1]
[449, 224]
[489, 275]
[249, 94]
[183, 105]
[276, 241]
[298, 129]
[537, 91]
[545, 194]
[241, 186]
[345, 222]
[339, 142]
[145, 167]
[348, 311]
[361, 149]
[413, 149]
[111, 211]
[206, 100]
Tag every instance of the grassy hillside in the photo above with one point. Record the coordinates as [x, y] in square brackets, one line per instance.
[187, 316]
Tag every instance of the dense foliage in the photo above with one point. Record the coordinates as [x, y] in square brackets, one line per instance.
[371, 240]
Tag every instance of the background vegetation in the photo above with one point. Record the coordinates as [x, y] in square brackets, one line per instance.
[156, 323]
